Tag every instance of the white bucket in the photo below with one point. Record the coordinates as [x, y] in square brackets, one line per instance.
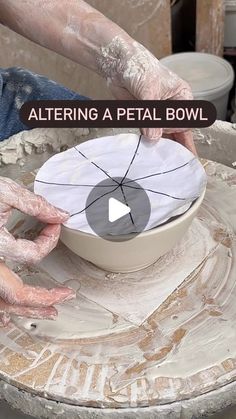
[230, 24]
[209, 76]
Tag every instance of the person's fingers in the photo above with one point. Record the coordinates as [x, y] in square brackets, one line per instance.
[183, 92]
[123, 94]
[183, 137]
[13, 291]
[152, 134]
[5, 213]
[41, 297]
[28, 251]
[6, 310]
[9, 283]
[25, 201]
[186, 139]
[5, 318]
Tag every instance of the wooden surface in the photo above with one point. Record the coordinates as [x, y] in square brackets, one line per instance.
[149, 353]
[210, 26]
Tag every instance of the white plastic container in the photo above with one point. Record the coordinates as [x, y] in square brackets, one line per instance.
[209, 76]
[230, 24]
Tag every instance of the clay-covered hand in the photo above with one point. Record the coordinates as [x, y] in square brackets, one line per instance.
[15, 297]
[80, 32]
[132, 72]
[27, 301]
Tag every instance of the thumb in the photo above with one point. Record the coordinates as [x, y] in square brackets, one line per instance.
[152, 133]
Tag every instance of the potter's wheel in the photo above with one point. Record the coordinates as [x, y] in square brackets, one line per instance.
[124, 342]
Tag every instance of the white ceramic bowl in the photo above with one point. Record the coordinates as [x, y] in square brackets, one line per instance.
[134, 254]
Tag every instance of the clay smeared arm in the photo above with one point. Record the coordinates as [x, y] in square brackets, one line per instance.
[81, 33]
[70, 27]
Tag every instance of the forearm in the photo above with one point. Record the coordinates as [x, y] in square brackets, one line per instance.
[77, 31]
[70, 27]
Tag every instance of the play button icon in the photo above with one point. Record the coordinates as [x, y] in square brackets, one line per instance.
[117, 210]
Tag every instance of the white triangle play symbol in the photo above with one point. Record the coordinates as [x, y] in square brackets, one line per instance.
[116, 209]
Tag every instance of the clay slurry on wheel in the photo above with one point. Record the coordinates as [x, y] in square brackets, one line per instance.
[114, 205]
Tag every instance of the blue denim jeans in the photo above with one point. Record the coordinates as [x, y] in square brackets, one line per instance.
[18, 86]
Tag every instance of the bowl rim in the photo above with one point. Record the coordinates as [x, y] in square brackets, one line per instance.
[154, 230]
